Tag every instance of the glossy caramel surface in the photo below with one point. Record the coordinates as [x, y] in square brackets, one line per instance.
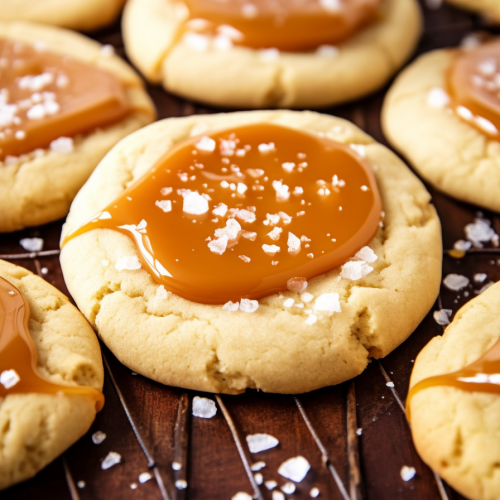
[474, 86]
[290, 25]
[238, 213]
[18, 352]
[44, 96]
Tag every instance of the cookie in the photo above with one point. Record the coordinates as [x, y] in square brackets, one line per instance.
[83, 15]
[38, 426]
[488, 8]
[280, 347]
[456, 430]
[438, 137]
[37, 186]
[239, 76]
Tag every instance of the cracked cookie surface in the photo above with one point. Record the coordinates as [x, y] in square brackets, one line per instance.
[36, 428]
[241, 77]
[457, 432]
[39, 189]
[448, 152]
[197, 346]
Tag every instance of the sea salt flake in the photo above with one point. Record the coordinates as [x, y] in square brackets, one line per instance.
[206, 144]
[480, 231]
[9, 378]
[204, 407]
[259, 478]
[133, 486]
[220, 209]
[244, 258]
[359, 148]
[218, 245]
[195, 204]
[231, 230]
[181, 484]
[32, 244]
[295, 468]
[438, 98]
[311, 319]
[266, 148]
[165, 191]
[246, 216]
[407, 473]
[328, 303]
[176, 466]
[390, 384]
[297, 284]
[455, 282]
[270, 485]
[314, 493]
[275, 233]
[355, 270]
[165, 205]
[98, 437]
[282, 191]
[442, 317]
[241, 496]
[257, 466]
[273, 219]
[359, 431]
[288, 303]
[367, 254]
[486, 125]
[144, 477]
[249, 306]
[249, 235]
[480, 277]
[306, 297]
[62, 145]
[464, 113]
[271, 250]
[112, 458]
[462, 245]
[298, 191]
[130, 263]
[285, 218]
[231, 306]
[81, 484]
[277, 495]
[294, 244]
[241, 188]
[288, 488]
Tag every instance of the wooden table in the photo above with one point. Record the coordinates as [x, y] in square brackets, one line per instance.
[150, 425]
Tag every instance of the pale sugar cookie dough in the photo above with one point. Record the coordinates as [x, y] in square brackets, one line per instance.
[248, 78]
[83, 15]
[37, 428]
[457, 432]
[38, 188]
[182, 343]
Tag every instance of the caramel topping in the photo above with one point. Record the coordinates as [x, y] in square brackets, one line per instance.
[239, 213]
[18, 357]
[282, 24]
[45, 96]
[474, 86]
[481, 376]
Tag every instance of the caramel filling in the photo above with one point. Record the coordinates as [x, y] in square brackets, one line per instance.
[18, 356]
[474, 87]
[289, 25]
[481, 376]
[45, 96]
[238, 213]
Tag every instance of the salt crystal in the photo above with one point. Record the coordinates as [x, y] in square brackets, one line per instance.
[259, 478]
[285, 218]
[195, 204]
[479, 232]
[295, 469]
[288, 488]
[455, 282]
[270, 485]
[81, 484]
[261, 442]
[231, 230]
[161, 293]
[205, 144]
[219, 245]
[267, 148]
[288, 166]
[390, 384]
[359, 431]
[44, 270]
[462, 245]
[32, 244]
[269, 55]
[241, 188]
[176, 466]
[271, 250]
[470, 41]
[359, 148]
[273, 218]
[130, 263]
[107, 50]
[312, 318]
[486, 125]
[231, 306]
[355, 270]
[165, 191]
[257, 466]
[277, 495]
[294, 244]
[327, 51]
[181, 484]
[62, 145]
[306, 297]
[328, 302]
[145, 476]
[241, 496]
[282, 191]
[133, 486]
[165, 205]
[298, 191]
[314, 493]
[220, 209]
[204, 407]
[98, 437]
[480, 277]
[442, 317]
[275, 233]
[438, 98]
[246, 216]
[9, 378]
[112, 458]
[288, 303]
[407, 473]
[249, 306]
[297, 284]
[244, 258]
[367, 254]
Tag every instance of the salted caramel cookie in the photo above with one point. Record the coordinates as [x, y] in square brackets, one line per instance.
[213, 62]
[64, 102]
[488, 8]
[179, 306]
[455, 400]
[443, 114]
[84, 15]
[43, 410]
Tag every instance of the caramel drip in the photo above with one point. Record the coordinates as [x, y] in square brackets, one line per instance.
[238, 213]
[18, 352]
[290, 25]
[45, 96]
[481, 376]
[474, 87]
